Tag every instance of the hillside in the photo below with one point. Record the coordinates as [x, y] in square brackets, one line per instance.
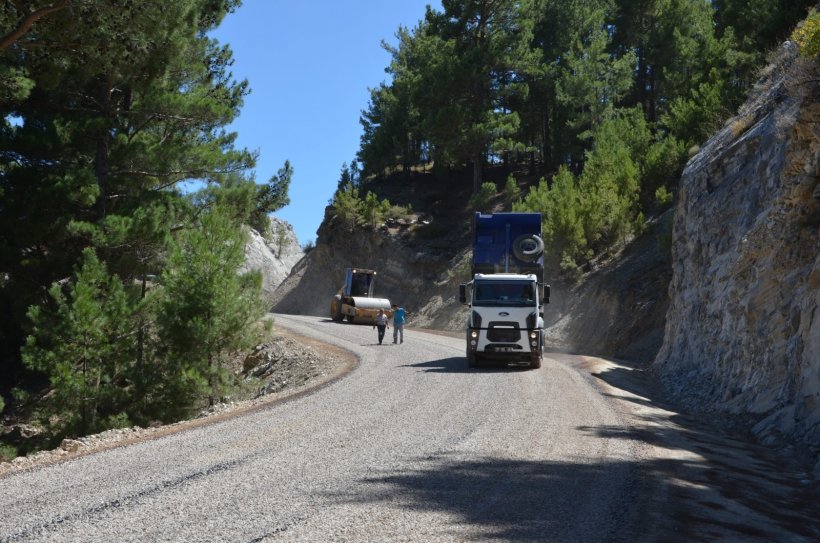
[422, 261]
[696, 307]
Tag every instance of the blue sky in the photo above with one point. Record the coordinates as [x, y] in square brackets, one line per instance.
[310, 65]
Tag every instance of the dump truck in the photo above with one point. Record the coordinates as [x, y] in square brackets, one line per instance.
[355, 301]
[506, 293]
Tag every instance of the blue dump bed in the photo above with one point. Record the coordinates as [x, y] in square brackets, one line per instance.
[508, 243]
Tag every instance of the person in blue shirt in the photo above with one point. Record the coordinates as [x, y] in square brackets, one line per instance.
[398, 323]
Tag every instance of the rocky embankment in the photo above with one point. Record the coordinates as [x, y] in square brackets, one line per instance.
[743, 327]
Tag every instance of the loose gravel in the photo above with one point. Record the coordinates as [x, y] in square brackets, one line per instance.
[413, 446]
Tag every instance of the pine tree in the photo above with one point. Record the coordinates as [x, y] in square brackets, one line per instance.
[95, 144]
[208, 309]
[83, 343]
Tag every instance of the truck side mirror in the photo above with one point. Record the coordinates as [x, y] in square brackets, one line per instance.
[462, 293]
[546, 296]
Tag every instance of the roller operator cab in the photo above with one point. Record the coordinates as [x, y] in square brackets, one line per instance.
[506, 295]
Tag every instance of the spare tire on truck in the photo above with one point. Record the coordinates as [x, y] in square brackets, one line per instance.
[528, 247]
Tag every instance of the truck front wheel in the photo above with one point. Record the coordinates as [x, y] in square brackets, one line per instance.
[472, 361]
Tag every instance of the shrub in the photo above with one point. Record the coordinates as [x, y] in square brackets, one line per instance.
[662, 167]
[398, 212]
[511, 191]
[663, 197]
[807, 36]
[373, 210]
[480, 201]
[7, 453]
[347, 204]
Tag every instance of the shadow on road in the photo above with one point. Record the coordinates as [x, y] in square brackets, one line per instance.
[527, 501]
[458, 364]
[734, 476]
[509, 500]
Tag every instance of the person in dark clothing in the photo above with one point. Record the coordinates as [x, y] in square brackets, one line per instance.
[381, 324]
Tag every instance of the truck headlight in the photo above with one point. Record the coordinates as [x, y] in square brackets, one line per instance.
[474, 334]
[533, 334]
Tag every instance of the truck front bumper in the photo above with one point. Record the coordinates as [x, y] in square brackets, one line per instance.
[529, 343]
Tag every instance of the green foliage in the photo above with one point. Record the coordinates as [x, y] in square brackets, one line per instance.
[7, 453]
[560, 204]
[452, 78]
[807, 36]
[593, 81]
[481, 200]
[373, 210]
[368, 211]
[95, 139]
[663, 197]
[610, 181]
[533, 81]
[347, 205]
[349, 175]
[271, 197]
[81, 342]
[280, 237]
[399, 213]
[207, 307]
[583, 216]
[602, 97]
[694, 117]
[663, 164]
[512, 192]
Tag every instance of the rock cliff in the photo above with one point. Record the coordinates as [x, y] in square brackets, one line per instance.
[419, 277]
[743, 328]
[274, 253]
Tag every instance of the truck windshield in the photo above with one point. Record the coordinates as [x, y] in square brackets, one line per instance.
[489, 293]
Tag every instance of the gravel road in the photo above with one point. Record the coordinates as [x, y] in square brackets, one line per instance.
[410, 446]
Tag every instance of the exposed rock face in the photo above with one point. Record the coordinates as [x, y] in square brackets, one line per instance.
[409, 277]
[743, 328]
[274, 254]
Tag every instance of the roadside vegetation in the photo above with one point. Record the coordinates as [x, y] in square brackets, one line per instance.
[120, 286]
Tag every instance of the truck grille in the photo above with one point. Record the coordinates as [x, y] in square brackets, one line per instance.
[503, 331]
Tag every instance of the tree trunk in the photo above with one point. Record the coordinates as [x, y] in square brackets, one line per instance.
[478, 172]
[28, 21]
[103, 147]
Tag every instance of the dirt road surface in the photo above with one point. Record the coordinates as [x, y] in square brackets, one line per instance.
[413, 446]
